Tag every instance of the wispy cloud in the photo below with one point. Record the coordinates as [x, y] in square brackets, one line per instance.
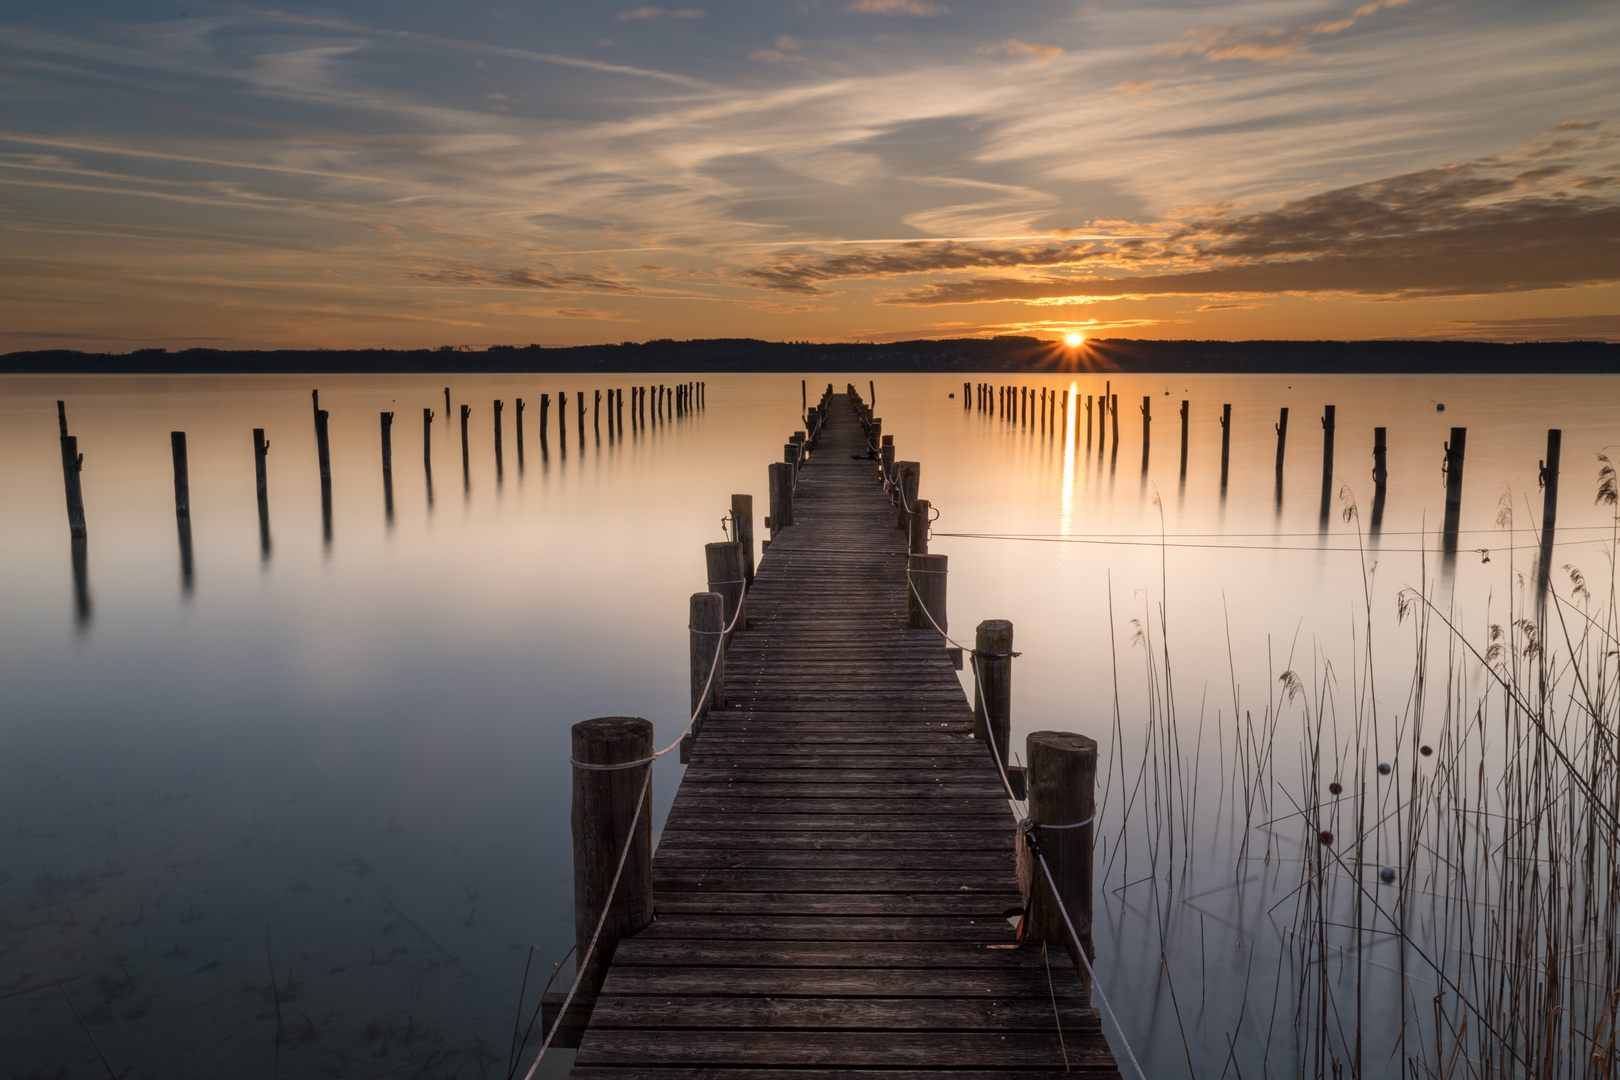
[1267, 44]
[522, 278]
[1014, 47]
[1544, 328]
[650, 12]
[797, 275]
[895, 7]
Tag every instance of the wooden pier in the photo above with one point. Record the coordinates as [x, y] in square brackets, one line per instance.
[834, 882]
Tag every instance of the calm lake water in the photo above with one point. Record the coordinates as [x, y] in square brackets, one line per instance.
[352, 753]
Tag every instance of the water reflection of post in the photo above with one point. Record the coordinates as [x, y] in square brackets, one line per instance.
[1549, 508]
[427, 453]
[81, 582]
[387, 423]
[261, 447]
[182, 508]
[1327, 458]
[323, 448]
[1380, 479]
[1454, 478]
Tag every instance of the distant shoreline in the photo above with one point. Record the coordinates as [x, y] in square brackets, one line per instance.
[1002, 354]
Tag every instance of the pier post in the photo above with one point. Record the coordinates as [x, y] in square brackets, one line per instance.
[1282, 437]
[781, 478]
[388, 465]
[705, 622]
[1226, 442]
[886, 458]
[1327, 456]
[967, 396]
[517, 427]
[466, 464]
[1380, 451]
[261, 447]
[926, 596]
[790, 457]
[1113, 409]
[1147, 428]
[1549, 502]
[427, 438]
[1454, 482]
[1184, 441]
[498, 407]
[182, 475]
[992, 686]
[1062, 782]
[724, 561]
[907, 479]
[323, 447]
[604, 821]
[742, 531]
[919, 527]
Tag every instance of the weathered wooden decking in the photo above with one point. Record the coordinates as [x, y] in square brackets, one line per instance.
[835, 876]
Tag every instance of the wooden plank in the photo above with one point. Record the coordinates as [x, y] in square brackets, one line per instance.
[849, 1014]
[851, 1049]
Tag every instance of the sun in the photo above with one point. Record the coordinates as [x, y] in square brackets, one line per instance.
[1075, 339]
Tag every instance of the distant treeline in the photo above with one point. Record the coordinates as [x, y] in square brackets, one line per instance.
[1011, 354]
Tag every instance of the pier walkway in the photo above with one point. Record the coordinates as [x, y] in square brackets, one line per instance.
[834, 880]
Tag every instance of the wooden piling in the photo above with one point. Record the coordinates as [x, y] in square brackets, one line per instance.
[447, 410]
[907, 479]
[323, 448]
[727, 576]
[427, 438]
[992, 685]
[261, 447]
[967, 396]
[1327, 446]
[605, 820]
[919, 527]
[545, 417]
[1147, 428]
[1380, 452]
[387, 419]
[886, 458]
[1062, 781]
[925, 593]
[466, 460]
[742, 531]
[579, 399]
[182, 475]
[781, 487]
[1454, 483]
[596, 411]
[497, 408]
[61, 417]
[1226, 442]
[1113, 410]
[1549, 503]
[517, 426]
[705, 624]
[1282, 437]
[72, 465]
[1184, 415]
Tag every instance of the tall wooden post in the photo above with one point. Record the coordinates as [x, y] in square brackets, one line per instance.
[323, 447]
[1282, 436]
[804, 395]
[1113, 409]
[596, 411]
[604, 821]
[517, 426]
[1147, 427]
[1184, 415]
[886, 457]
[907, 479]
[447, 410]
[705, 624]
[1062, 784]
[919, 527]
[498, 407]
[1380, 455]
[427, 438]
[182, 474]
[261, 447]
[61, 417]
[1454, 483]
[387, 419]
[742, 531]
[466, 460]
[545, 417]
[992, 686]
[1327, 455]
[925, 594]
[781, 486]
[724, 561]
[1549, 503]
[579, 399]
[1226, 442]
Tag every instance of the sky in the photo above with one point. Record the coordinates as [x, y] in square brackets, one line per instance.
[406, 174]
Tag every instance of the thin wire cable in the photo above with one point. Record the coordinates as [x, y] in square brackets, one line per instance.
[1257, 547]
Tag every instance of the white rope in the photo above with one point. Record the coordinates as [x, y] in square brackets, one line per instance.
[578, 764]
[1080, 948]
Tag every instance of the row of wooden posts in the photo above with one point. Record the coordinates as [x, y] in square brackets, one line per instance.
[664, 402]
[1020, 403]
[1059, 780]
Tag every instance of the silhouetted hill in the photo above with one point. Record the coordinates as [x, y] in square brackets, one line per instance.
[1008, 354]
